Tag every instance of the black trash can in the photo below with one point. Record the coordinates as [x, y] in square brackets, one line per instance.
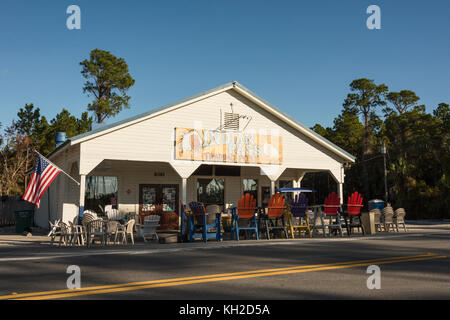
[24, 220]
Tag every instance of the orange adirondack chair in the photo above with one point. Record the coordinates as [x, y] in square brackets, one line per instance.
[354, 205]
[275, 210]
[246, 206]
[276, 206]
[246, 209]
[331, 210]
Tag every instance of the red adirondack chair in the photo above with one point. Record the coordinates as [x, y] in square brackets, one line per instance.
[331, 210]
[354, 205]
[246, 209]
[332, 204]
[275, 210]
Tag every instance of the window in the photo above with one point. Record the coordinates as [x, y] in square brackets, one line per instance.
[251, 186]
[210, 191]
[100, 191]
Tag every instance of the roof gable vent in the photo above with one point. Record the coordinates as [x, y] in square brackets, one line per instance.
[231, 121]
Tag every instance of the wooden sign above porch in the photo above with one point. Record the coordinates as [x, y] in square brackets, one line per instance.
[227, 146]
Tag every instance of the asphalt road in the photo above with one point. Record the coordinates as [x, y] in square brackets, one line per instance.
[413, 266]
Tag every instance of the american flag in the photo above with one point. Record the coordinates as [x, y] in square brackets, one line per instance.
[44, 174]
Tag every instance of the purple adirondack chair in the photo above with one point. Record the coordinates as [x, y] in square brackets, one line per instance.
[298, 210]
[299, 205]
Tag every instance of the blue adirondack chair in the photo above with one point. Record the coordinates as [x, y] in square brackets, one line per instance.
[298, 210]
[198, 226]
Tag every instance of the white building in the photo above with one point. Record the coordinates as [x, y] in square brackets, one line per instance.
[211, 147]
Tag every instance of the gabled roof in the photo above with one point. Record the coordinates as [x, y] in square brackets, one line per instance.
[179, 104]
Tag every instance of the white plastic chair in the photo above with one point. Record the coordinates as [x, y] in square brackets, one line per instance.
[399, 218]
[64, 237]
[137, 220]
[388, 219]
[151, 222]
[96, 228]
[379, 225]
[127, 230]
[113, 214]
[55, 231]
[76, 234]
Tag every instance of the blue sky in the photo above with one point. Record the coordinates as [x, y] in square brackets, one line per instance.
[299, 55]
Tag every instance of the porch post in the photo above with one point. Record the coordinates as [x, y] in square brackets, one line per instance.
[183, 190]
[184, 200]
[184, 169]
[298, 181]
[341, 192]
[272, 187]
[339, 176]
[341, 185]
[82, 194]
[296, 184]
[273, 173]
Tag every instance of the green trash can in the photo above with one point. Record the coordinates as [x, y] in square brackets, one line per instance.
[24, 220]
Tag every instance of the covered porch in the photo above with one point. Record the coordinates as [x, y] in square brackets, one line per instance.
[146, 187]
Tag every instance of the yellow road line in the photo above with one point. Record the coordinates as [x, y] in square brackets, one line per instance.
[201, 277]
[210, 278]
[246, 276]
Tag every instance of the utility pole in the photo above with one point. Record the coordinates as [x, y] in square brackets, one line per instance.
[383, 151]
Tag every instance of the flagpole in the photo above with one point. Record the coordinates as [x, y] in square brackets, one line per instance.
[58, 168]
